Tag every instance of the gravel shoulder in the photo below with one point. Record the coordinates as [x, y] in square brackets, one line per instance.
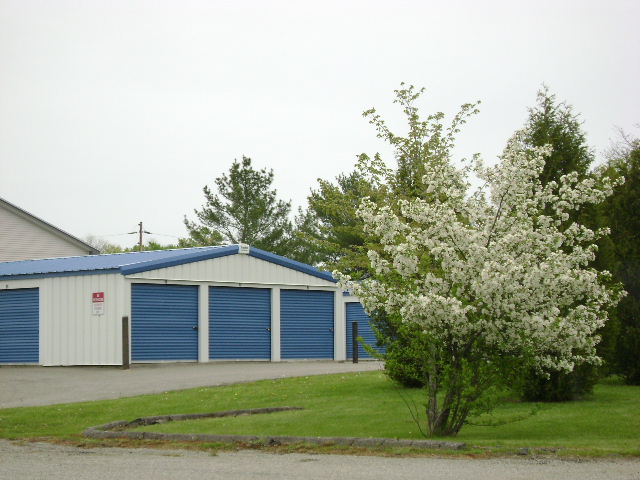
[52, 462]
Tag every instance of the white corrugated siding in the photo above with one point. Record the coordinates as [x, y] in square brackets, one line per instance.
[69, 333]
[236, 269]
[21, 239]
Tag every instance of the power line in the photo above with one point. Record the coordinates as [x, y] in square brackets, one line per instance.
[115, 234]
[165, 235]
[133, 233]
[140, 232]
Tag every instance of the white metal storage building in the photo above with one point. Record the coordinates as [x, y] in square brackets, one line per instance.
[200, 304]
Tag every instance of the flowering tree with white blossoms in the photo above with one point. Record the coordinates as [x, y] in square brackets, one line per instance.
[499, 280]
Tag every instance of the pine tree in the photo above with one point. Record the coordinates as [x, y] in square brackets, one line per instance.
[245, 209]
[553, 123]
[622, 210]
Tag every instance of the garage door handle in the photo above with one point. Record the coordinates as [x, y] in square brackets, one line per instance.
[331, 330]
[195, 328]
[268, 329]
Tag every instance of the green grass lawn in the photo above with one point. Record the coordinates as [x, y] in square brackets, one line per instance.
[359, 404]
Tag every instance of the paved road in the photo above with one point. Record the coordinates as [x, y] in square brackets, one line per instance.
[55, 462]
[31, 386]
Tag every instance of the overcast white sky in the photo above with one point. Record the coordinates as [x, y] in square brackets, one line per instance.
[115, 112]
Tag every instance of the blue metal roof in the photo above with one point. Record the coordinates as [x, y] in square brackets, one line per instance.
[136, 262]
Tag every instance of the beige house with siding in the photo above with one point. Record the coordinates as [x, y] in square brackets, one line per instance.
[24, 236]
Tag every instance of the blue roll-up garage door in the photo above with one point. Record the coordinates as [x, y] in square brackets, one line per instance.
[19, 325]
[356, 313]
[306, 324]
[164, 322]
[239, 323]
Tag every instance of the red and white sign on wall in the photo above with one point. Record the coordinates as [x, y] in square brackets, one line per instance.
[97, 302]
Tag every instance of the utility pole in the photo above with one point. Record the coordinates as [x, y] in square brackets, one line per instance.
[141, 232]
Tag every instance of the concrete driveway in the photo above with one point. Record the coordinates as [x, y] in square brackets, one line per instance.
[30, 386]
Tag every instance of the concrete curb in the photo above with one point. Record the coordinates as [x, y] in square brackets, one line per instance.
[115, 430]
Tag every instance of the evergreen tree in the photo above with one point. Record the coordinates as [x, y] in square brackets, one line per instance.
[332, 228]
[622, 211]
[554, 123]
[245, 209]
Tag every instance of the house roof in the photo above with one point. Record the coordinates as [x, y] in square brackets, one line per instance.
[47, 226]
[136, 262]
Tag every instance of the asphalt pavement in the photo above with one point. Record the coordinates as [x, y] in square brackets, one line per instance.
[27, 386]
[57, 462]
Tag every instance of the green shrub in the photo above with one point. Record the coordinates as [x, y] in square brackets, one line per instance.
[404, 366]
[559, 387]
[628, 351]
[405, 358]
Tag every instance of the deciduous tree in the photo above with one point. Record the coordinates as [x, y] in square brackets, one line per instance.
[499, 280]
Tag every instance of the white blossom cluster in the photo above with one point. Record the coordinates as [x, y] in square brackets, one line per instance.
[508, 267]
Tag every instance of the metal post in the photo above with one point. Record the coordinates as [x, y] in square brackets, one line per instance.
[354, 330]
[125, 343]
